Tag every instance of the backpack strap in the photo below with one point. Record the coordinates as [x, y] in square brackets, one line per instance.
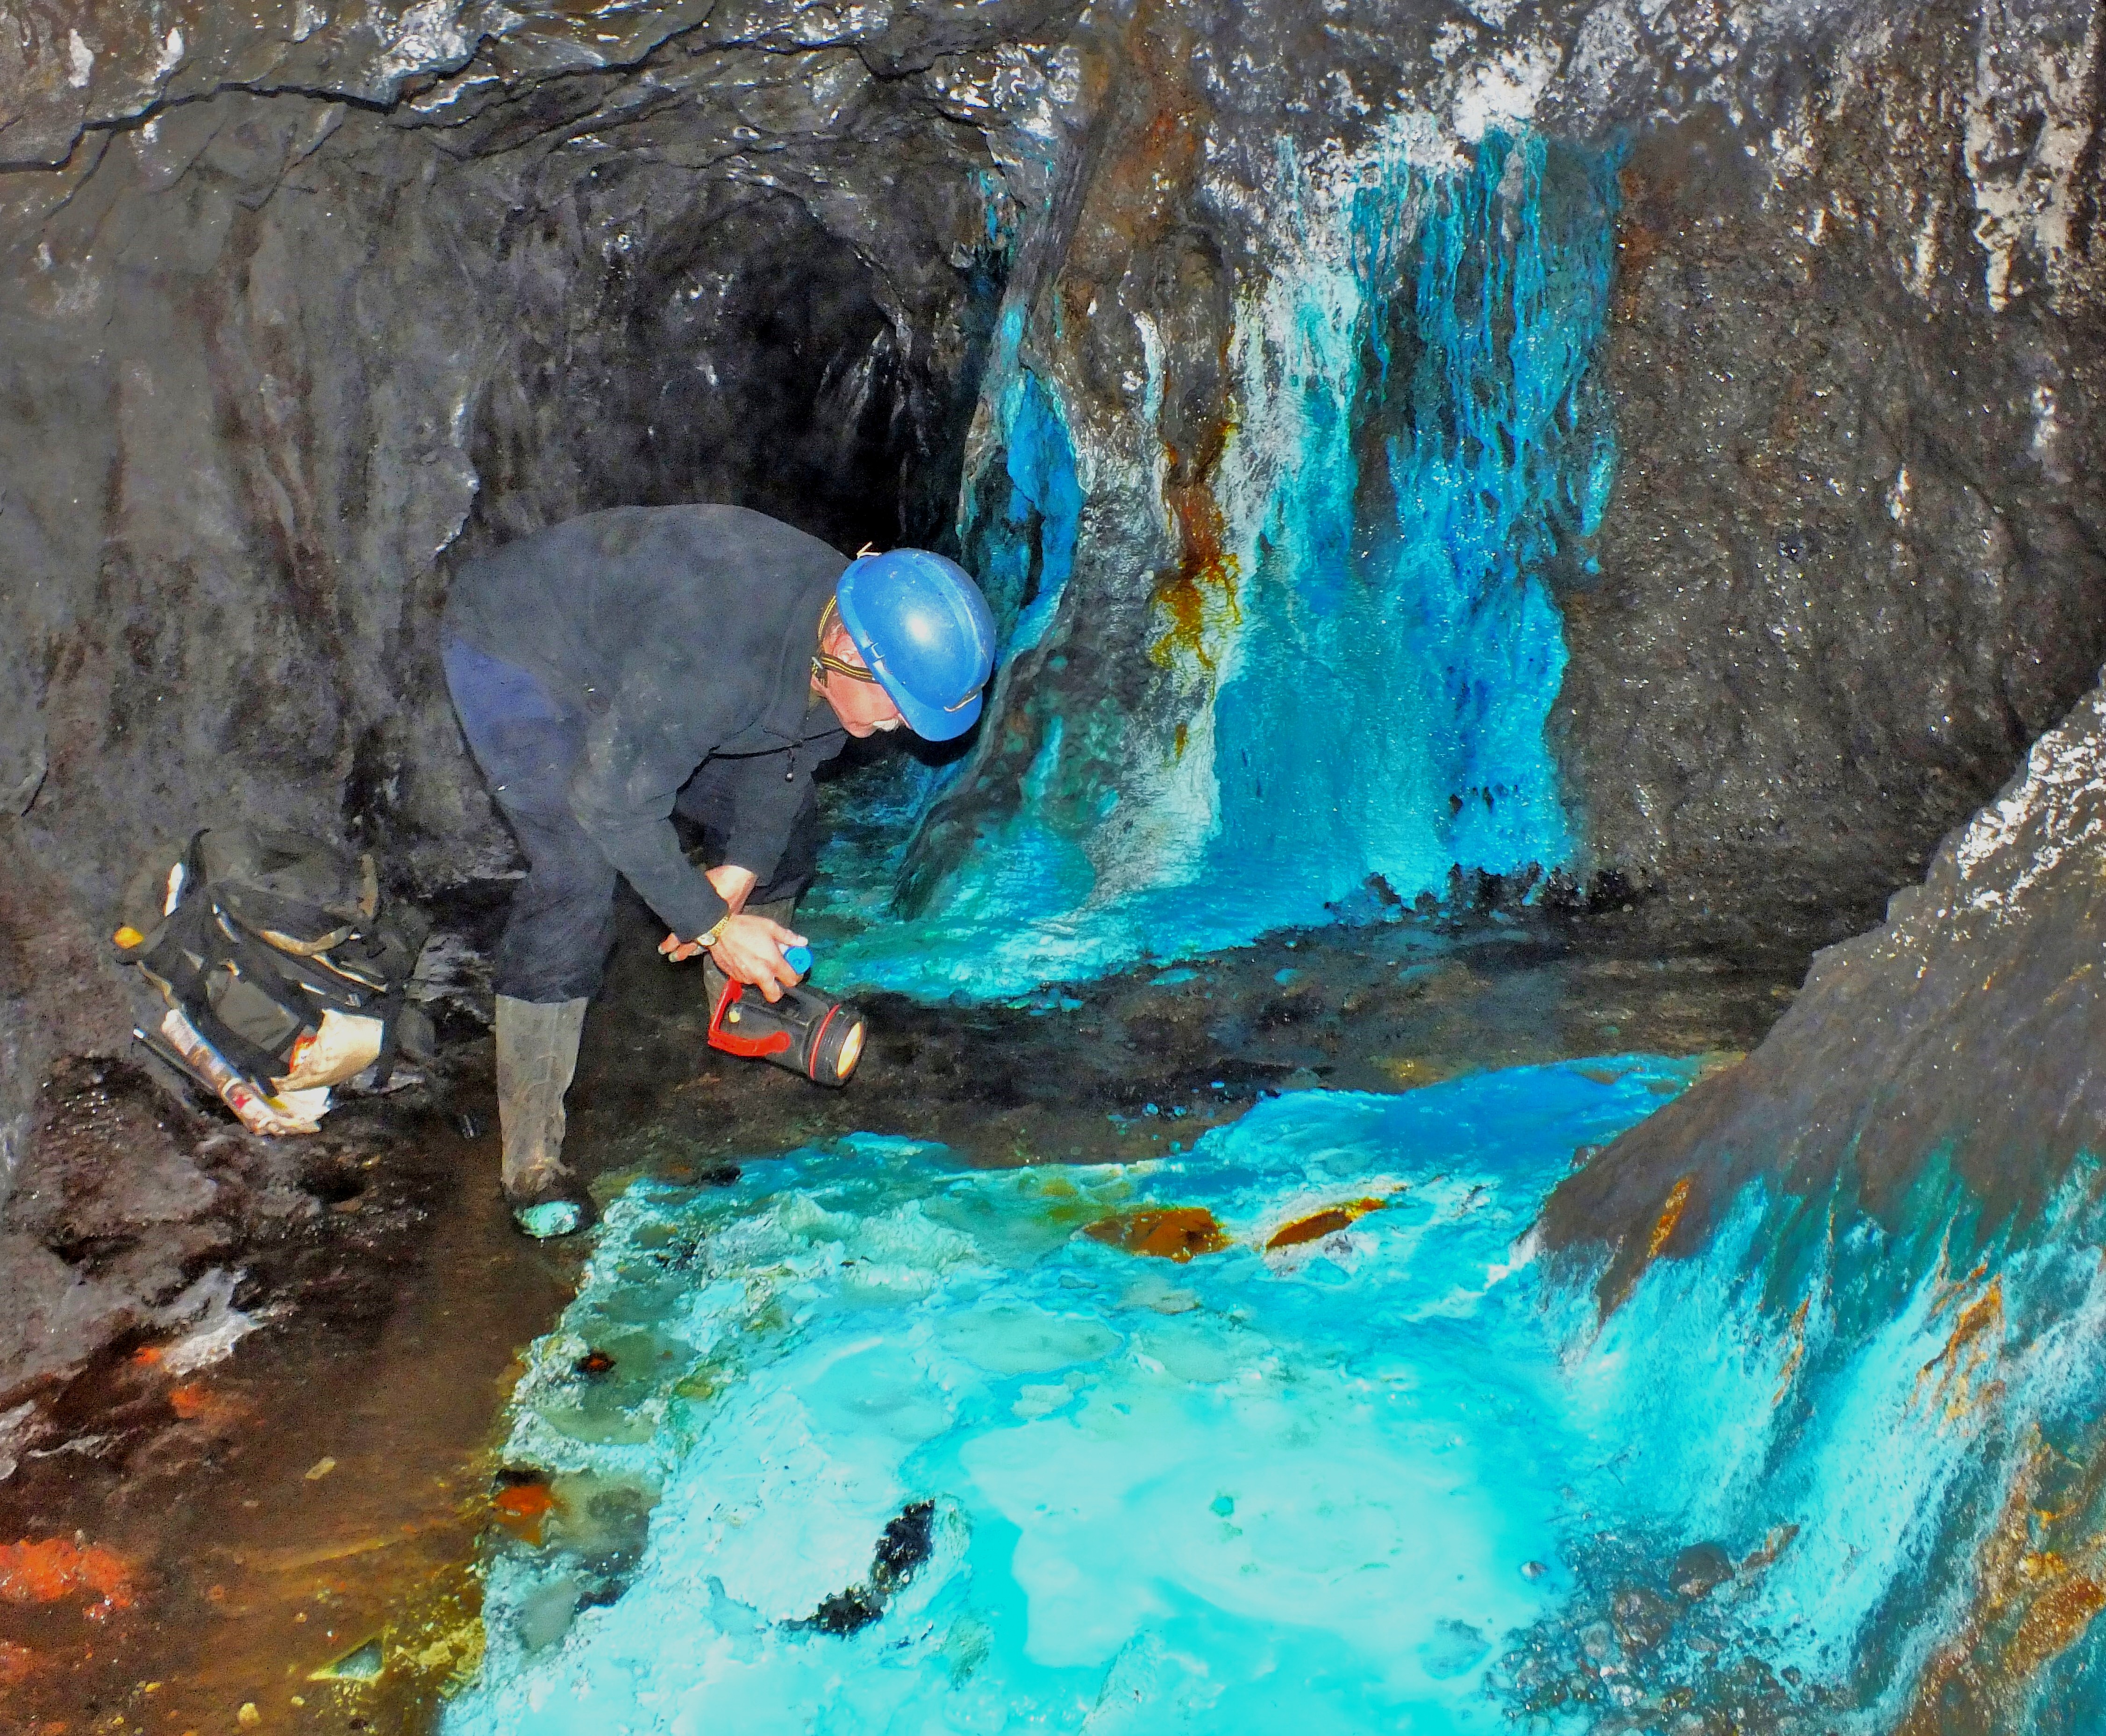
[389, 1012]
[191, 932]
[262, 962]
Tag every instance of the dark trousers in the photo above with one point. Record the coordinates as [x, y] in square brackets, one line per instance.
[560, 925]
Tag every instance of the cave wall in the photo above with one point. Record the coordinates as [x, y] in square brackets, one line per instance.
[1546, 450]
[1796, 560]
[319, 304]
[1900, 1186]
[1854, 566]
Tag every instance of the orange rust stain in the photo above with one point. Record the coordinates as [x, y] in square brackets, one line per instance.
[1670, 1215]
[1412, 1071]
[522, 1508]
[58, 1567]
[1637, 247]
[1205, 580]
[1798, 1352]
[2031, 1603]
[1774, 1544]
[1951, 1289]
[192, 1403]
[528, 1501]
[1951, 1376]
[1318, 1225]
[1175, 1232]
[16, 1661]
[1153, 157]
[2056, 1619]
[1620, 1279]
[1642, 235]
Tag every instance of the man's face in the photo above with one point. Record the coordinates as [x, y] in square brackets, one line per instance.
[864, 707]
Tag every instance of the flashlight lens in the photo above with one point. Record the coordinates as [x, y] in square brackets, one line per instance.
[851, 1050]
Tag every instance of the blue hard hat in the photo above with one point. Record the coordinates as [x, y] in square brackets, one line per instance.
[923, 627]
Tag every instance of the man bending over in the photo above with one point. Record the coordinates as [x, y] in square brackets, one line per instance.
[611, 671]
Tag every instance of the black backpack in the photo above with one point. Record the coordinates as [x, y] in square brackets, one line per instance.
[286, 968]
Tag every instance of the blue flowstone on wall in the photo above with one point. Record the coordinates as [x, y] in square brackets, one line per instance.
[1416, 437]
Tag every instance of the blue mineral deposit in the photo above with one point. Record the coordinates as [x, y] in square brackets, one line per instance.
[1024, 558]
[1417, 433]
[932, 1449]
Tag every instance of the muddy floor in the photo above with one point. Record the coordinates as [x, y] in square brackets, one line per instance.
[286, 1539]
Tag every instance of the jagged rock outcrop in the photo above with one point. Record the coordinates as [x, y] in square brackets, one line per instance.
[1906, 1169]
[1966, 1035]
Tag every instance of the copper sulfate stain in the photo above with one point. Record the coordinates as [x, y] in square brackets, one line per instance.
[1174, 1233]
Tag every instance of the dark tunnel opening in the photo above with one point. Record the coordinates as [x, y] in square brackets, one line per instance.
[738, 353]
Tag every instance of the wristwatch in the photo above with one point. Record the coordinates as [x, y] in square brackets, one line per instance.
[710, 937]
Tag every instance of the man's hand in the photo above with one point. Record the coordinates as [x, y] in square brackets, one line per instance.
[749, 950]
[734, 885]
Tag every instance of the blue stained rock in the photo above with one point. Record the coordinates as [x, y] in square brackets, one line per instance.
[920, 1456]
[1417, 433]
[1224, 1494]
[1019, 542]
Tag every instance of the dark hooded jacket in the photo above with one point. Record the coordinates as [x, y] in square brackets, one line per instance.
[677, 634]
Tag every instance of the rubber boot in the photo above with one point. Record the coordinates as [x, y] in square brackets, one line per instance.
[537, 1053]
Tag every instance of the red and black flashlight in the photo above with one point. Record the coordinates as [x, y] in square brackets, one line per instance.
[804, 1032]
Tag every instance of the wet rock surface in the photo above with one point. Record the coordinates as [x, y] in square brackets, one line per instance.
[394, 1296]
[1849, 565]
[1934, 1091]
[1963, 1036]
[307, 302]
[1851, 569]
[1139, 1065]
[302, 303]
[139, 1227]
[291, 1524]
[1644, 1651]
